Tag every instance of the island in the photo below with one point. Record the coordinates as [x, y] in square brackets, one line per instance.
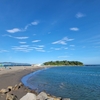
[64, 62]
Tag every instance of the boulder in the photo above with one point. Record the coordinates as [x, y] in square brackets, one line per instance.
[54, 97]
[42, 96]
[10, 88]
[50, 99]
[11, 97]
[3, 91]
[66, 99]
[16, 87]
[29, 96]
[20, 84]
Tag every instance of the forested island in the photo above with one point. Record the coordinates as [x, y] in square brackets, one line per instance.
[64, 62]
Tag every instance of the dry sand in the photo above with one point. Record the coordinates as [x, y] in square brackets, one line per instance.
[11, 77]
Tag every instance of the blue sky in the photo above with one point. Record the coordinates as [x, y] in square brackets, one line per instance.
[35, 31]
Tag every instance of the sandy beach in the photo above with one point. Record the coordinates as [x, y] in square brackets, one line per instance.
[11, 77]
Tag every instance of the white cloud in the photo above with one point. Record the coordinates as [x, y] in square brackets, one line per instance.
[22, 42]
[74, 29]
[36, 40]
[35, 23]
[21, 37]
[7, 35]
[14, 30]
[23, 48]
[1, 51]
[36, 48]
[62, 41]
[79, 15]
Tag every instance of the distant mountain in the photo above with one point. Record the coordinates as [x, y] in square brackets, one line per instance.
[14, 64]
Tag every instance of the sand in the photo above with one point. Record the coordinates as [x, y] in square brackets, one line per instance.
[11, 77]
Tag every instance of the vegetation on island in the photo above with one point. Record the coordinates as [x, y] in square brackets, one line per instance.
[64, 62]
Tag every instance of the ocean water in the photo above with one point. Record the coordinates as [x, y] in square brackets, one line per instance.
[77, 83]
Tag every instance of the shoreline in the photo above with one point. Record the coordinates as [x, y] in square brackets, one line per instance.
[13, 76]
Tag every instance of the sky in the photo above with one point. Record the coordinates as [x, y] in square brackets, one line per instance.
[36, 31]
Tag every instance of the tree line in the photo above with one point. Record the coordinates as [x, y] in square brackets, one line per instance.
[64, 62]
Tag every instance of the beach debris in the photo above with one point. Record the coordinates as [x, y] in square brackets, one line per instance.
[11, 97]
[10, 88]
[3, 91]
[29, 96]
[42, 96]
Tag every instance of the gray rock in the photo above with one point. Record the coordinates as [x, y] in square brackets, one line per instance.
[20, 84]
[42, 96]
[54, 97]
[29, 96]
[66, 99]
[16, 87]
[10, 88]
[11, 97]
[3, 91]
[50, 99]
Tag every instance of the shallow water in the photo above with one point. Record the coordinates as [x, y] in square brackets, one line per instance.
[77, 83]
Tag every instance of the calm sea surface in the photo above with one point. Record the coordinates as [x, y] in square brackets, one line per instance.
[77, 83]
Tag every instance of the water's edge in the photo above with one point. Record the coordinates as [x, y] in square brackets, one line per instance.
[26, 77]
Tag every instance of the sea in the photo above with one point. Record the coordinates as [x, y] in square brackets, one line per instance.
[74, 82]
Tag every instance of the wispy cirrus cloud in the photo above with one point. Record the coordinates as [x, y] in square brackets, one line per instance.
[23, 48]
[32, 23]
[21, 37]
[80, 15]
[28, 48]
[22, 42]
[74, 29]
[1, 51]
[14, 30]
[36, 40]
[35, 23]
[39, 48]
[63, 41]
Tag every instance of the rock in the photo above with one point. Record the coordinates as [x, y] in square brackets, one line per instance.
[50, 99]
[16, 87]
[11, 97]
[54, 97]
[3, 91]
[57, 98]
[42, 96]
[29, 96]
[20, 84]
[10, 88]
[66, 99]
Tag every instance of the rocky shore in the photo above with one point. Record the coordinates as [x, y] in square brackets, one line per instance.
[12, 89]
